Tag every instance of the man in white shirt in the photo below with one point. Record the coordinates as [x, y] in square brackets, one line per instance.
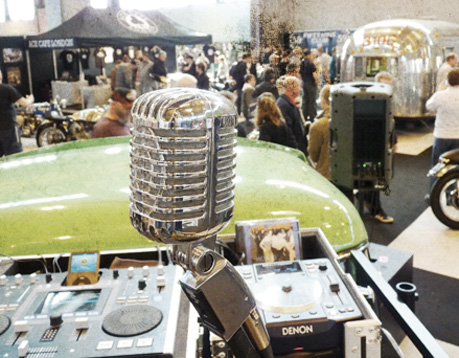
[450, 63]
[446, 106]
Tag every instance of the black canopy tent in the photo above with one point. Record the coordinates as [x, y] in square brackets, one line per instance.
[114, 27]
[110, 27]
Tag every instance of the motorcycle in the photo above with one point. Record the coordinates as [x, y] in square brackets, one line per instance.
[58, 128]
[30, 118]
[444, 195]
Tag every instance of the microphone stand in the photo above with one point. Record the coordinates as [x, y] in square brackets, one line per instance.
[223, 300]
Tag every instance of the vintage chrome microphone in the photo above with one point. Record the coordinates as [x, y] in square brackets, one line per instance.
[182, 171]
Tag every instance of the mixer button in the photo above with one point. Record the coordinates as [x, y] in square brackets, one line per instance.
[125, 343]
[144, 342]
[143, 299]
[104, 345]
[132, 299]
[121, 300]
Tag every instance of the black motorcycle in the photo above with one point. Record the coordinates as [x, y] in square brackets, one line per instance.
[58, 128]
[30, 118]
[444, 195]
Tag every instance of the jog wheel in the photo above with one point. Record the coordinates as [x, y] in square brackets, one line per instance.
[132, 320]
[4, 324]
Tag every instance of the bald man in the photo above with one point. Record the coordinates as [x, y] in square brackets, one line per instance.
[10, 132]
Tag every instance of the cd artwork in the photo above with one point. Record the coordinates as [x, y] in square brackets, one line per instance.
[269, 240]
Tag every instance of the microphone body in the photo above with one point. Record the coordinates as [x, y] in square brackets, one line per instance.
[182, 190]
[182, 165]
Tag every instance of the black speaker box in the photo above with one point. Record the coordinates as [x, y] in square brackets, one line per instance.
[361, 135]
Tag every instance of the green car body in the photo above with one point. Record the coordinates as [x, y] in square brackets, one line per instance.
[74, 197]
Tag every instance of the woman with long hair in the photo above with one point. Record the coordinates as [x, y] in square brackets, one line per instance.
[270, 122]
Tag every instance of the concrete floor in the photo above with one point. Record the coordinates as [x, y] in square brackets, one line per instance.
[434, 247]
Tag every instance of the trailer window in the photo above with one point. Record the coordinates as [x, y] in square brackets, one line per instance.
[375, 65]
[447, 51]
[378, 64]
[359, 73]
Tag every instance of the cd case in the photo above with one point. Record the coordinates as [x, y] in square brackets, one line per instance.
[268, 240]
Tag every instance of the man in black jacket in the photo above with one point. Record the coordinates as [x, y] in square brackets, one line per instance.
[307, 70]
[238, 74]
[203, 79]
[267, 85]
[159, 71]
[291, 113]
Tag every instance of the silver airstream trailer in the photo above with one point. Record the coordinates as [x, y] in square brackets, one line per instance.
[411, 50]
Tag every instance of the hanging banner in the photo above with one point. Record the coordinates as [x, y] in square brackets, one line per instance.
[52, 43]
[322, 38]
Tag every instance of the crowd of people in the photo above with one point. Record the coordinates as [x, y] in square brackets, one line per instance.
[276, 94]
[281, 101]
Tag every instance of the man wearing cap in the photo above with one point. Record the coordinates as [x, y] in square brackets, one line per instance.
[116, 121]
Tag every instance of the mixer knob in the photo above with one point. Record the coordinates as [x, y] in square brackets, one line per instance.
[146, 271]
[142, 284]
[3, 280]
[116, 274]
[323, 267]
[55, 320]
[48, 277]
[33, 278]
[18, 279]
[131, 272]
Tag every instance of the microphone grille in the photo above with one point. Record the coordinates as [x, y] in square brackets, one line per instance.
[182, 164]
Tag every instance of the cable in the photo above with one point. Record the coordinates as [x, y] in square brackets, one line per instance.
[56, 263]
[7, 256]
[170, 260]
[43, 262]
[233, 256]
[393, 342]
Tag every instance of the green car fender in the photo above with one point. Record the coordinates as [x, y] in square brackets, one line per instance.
[75, 197]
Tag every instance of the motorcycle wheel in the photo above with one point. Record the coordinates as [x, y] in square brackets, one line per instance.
[444, 199]
[50, 135]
